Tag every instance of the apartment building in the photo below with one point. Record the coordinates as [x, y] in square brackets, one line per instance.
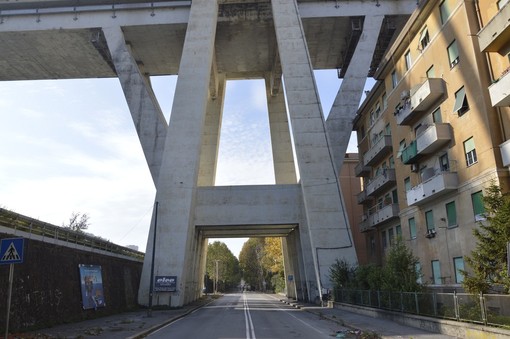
[433, 132]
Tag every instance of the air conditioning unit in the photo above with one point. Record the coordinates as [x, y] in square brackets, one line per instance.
[431, 233]
[415, 168]
[404, 95]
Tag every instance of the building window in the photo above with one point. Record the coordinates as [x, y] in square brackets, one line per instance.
[436, 272]
[398, 231]
[412, 228]
[424, 38]
[387, 129]
[394, 80]
[470, 152]
[394, 196]
[453, 54]
[372, 245]
[478, 209]
[417, 269]
[384, 101]
[458, 264]
[445, 11]
[407, 184]
[390, 236]
[391, 161]
[430, 72]
[429, 219]
[401, 147]
[436, 116]
[384, 241]
[461, 103]
[407, 57]
[451, 214]
[444, 164]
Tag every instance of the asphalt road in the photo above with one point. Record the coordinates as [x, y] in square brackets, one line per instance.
[250, 316]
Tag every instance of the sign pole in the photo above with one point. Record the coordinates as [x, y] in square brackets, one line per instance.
[151, 287]
[9, 295]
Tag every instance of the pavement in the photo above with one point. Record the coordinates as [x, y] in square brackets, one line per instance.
[138, 324]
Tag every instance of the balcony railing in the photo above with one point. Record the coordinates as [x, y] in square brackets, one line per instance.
[381, 182]
[494, 35]
[361, 170]
[362, 197]
[429, 140]
[435, 183]
[378, 215]
[500, 91]
[420, 100]
[380, 149]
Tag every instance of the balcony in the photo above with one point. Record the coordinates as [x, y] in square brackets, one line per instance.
[495, 35]
[430, 139]
[435, 183]
[381, 182]
[362, 197]
[505, 152]
[379, 150]
[361, 170]
[377, 216]
[421, 100]
[500, 90]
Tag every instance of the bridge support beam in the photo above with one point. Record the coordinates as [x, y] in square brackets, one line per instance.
[326, 222]
[345, 106]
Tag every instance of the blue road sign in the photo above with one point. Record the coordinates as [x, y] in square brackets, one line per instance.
[11, 251]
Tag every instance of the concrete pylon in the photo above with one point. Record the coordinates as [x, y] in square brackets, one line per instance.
[327, 227]
[176, 244]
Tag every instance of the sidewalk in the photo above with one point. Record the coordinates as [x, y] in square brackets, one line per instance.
[131, 325]
[357, 322]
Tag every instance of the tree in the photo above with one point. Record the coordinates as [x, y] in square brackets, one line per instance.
[77, 222]
[488, 260]
[228, 266]
[399, 272]
[250, 260]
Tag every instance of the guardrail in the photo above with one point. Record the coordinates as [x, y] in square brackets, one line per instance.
[25, 224]
[487, 309]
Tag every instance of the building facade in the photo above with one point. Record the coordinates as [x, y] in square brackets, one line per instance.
[432, 134]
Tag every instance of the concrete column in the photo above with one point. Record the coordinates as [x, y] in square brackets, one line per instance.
[177, 183]
[345, 106]
[327, 222]
[283, 158]
[211, 139]
[148, 118]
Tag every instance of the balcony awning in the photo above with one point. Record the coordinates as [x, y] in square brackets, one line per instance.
[424, 33]
[460, 97]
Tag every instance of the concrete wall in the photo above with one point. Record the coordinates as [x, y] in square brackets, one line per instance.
[46, 286]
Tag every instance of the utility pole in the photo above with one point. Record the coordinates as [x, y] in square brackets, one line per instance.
[216, 278]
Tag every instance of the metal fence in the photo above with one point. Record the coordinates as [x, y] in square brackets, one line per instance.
[487, 309]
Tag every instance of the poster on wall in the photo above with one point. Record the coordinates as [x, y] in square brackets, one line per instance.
[91, 282]
[164, 283]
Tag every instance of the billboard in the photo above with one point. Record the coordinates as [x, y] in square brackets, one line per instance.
[91, 282]
[165, 283]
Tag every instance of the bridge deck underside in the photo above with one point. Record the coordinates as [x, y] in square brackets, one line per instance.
[244, 49]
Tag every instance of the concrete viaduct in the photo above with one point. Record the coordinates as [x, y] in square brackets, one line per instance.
[206, 43]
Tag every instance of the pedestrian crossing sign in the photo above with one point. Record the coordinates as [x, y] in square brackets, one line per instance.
[11, 251]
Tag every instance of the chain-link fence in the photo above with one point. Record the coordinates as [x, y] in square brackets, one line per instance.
[487, 309]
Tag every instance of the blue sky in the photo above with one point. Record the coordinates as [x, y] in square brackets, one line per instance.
[70, 146]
